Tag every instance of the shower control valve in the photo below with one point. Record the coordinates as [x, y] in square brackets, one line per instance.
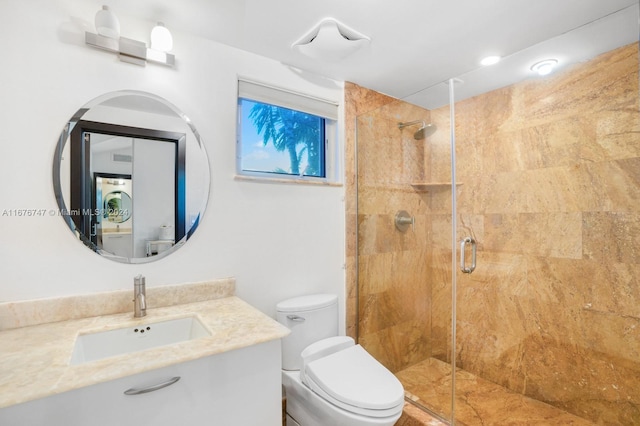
[403, 220]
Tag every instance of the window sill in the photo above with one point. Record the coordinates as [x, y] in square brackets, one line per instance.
[290, 181]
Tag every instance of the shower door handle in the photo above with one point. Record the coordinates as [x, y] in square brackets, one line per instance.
[463, 246]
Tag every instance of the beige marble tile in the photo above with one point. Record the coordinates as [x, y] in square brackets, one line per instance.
[415, 416]
[607, 185]
[398, 346]
[39, 311]
[622, 232]
[389, 159]
[620, 293]
[477, 401]
[358, 102]
[520, 233]
[390, 199]
[616, 135]
[558, 143]
[608, 82]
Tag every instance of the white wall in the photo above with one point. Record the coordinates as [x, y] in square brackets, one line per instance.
[277, 240]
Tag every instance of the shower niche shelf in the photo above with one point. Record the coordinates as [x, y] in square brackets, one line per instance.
[430, 186]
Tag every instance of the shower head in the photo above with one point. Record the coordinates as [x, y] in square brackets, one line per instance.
[424, 131]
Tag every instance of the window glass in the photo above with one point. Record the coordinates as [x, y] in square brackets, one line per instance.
[275, 140]
[285, 134]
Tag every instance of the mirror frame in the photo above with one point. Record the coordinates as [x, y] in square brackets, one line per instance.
[81, 182]
[82, 192]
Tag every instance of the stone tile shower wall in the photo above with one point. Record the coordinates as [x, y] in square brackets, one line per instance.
[550, 188]
[550, 172]
[393, 296]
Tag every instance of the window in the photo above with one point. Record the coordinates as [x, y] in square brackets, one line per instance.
[284, 135]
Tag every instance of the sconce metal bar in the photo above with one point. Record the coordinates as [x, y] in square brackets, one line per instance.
[129, 50]
[133, 51]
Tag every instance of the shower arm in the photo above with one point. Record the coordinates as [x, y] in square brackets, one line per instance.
[411, 123]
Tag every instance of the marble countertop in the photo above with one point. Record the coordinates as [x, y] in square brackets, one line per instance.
[34, 360]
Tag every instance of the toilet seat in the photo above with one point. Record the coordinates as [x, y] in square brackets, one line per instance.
[355, 381]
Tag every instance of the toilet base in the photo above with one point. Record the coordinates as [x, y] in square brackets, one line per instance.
[309, 409]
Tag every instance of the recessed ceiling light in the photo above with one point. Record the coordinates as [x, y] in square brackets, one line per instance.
[490, 60]
[544, 67]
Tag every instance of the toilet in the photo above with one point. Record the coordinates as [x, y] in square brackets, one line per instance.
[328, 379]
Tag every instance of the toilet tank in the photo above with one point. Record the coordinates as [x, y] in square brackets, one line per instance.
[310, 318]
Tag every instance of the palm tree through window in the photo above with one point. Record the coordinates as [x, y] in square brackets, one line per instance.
[280, 140]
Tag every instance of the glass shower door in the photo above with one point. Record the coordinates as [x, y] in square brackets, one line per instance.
[401, 296]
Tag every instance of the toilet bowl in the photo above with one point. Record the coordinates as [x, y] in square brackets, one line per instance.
[328, 379]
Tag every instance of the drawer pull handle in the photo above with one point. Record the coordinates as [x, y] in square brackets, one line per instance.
[139, 391]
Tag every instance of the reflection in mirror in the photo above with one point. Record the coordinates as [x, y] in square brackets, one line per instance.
[131, 176]
[116, 205]
[113, 214]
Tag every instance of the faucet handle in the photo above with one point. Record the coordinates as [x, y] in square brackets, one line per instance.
[139, 280]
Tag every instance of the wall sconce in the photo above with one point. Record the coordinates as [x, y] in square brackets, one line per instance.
[129, 50]
[107, 23]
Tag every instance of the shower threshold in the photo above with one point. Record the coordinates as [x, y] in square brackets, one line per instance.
[478, 401]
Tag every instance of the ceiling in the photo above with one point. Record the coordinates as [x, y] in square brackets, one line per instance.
[415, 44]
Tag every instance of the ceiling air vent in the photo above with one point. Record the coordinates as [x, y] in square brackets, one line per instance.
[330, 40]
[122, 158]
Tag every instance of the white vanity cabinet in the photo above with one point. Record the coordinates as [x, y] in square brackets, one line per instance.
[118, 243]
[239, 387]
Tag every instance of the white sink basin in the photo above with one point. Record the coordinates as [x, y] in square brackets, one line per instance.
[103, 344]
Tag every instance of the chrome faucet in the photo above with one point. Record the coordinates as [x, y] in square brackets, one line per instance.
[139, 297]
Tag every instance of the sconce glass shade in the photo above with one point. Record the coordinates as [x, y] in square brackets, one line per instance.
[107, 23]
[161, 38]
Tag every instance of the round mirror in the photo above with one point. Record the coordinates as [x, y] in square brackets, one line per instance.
[131, 176]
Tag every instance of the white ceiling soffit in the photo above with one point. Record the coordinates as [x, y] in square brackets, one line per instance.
[580, 45]
[414, 44]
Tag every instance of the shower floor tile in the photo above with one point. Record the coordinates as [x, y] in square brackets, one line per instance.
[414, 416]
[478, 401]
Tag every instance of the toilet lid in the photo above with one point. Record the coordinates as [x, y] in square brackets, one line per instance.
[354, 380]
